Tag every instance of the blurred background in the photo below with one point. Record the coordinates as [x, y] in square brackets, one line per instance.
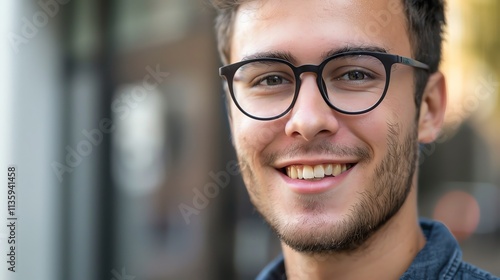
[112, 112]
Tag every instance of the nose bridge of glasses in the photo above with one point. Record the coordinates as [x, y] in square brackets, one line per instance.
[307, 68]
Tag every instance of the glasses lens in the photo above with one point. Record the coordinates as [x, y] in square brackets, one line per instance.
[354, 83]
[264, 89]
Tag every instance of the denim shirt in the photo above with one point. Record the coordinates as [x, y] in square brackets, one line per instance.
[441, 258]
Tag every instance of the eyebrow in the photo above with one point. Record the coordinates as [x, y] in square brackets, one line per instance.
[353, 49]
[272, 54]
[288, 56]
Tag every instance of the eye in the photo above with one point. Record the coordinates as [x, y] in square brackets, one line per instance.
[273, 80]
[354, 76]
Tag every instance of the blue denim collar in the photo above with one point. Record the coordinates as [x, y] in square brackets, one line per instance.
[441, 254]
[441, 258]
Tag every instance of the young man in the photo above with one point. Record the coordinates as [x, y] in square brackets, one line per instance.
[329, 102]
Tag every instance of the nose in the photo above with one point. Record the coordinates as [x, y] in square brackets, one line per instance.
[311, 116]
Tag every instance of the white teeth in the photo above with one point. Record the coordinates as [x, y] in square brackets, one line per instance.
[309, 172]
[337, 170]
[293, 173]
[319, 172]
[299, 173]
[328, 169]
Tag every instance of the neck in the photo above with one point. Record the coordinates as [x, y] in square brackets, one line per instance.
[386, 255]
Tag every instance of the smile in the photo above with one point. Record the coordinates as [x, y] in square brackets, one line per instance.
[315, 172]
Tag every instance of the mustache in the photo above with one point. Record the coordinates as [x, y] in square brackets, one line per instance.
[318, 148]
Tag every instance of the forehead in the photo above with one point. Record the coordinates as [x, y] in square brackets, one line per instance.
[308, 29]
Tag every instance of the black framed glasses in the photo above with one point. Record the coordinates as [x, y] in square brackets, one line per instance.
[351, 82]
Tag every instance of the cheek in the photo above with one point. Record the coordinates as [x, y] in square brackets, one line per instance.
[398, 108]
[251, 137]
[373, 129]
[243, 141]
[400, 98]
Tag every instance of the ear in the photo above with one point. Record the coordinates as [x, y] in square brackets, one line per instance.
[432, 108]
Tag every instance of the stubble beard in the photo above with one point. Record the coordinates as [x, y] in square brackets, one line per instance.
[375, 207]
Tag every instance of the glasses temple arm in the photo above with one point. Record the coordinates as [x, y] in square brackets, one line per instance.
[413, 62]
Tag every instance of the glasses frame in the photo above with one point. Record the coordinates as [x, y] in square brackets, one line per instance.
[388, 60]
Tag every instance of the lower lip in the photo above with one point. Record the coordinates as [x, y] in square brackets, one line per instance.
[314, 186]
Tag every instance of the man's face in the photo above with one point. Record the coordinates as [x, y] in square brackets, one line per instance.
[375, 153]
